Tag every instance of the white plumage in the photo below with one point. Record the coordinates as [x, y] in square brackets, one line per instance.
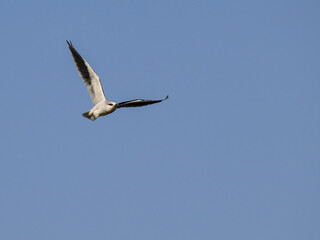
[102, 105]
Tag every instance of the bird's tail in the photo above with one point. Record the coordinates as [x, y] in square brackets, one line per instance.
[89, 116]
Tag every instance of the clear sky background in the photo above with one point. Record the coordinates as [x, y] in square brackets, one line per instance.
[234, 153]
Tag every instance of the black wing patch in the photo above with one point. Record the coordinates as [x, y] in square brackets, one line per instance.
[80, 64]
[139, 103]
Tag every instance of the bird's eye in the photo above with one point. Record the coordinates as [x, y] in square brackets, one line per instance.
[110, 104]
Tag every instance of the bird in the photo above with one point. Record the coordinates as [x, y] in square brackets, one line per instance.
[102, 105]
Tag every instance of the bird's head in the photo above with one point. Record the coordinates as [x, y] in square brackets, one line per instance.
[112, 104]
[111, 107]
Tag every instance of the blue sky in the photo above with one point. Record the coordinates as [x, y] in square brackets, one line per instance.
[232, 154]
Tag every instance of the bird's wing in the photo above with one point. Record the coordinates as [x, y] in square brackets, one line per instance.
[138, 102]
[90, 78]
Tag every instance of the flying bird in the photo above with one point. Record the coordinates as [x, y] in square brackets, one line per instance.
[102, 105]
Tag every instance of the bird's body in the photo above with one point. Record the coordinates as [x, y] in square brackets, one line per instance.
[102, 108]
[102, 105]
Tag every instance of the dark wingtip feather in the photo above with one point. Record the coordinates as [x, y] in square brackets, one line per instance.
[80, 64]
[139, 102]
[69, 43]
